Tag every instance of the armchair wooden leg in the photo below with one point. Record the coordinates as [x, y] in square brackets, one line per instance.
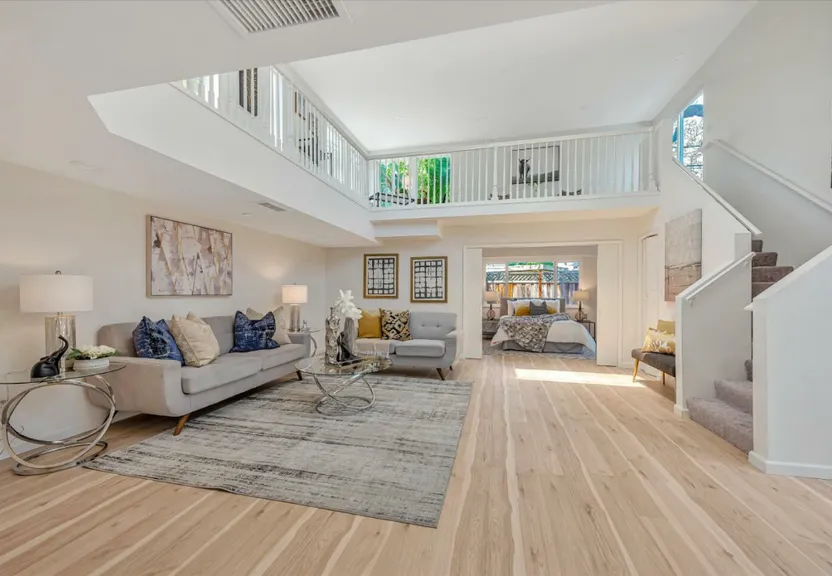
[664, 378]
[442, 376]
[300, 375]
[181, 424]
[635, 370]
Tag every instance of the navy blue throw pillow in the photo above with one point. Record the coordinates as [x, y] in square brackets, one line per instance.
[251, 335]
[154, 340]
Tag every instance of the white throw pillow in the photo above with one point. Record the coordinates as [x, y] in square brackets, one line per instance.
[280, 334]
[195, 339]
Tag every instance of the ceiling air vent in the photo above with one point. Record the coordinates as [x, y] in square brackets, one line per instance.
[271, 206]
[265, 15]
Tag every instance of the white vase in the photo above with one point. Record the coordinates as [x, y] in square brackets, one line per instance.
[85, 365]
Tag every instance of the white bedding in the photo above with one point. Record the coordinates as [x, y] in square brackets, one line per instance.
[566, 331]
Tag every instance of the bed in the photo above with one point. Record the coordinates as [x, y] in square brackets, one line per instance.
[563, 335]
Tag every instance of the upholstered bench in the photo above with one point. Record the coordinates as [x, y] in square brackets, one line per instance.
[666, 363]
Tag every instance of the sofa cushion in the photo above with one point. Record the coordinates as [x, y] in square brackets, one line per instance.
[281, 336]
[154, 340]
[374, 345]
[250, 335]
[663, 362]
[223, 370]
[369, 325]
[431, 325]
[422, 348]
[276, 356]
[395, 325]
[196, 339]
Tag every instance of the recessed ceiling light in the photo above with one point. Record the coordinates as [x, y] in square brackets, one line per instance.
[81, 165]
[247, 214]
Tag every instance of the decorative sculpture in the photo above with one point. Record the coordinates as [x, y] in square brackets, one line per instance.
[49, 366]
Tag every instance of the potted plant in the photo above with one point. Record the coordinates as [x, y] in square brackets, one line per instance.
[91, 357]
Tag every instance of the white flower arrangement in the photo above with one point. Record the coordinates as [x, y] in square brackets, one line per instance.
[346, 307]
[91, 353]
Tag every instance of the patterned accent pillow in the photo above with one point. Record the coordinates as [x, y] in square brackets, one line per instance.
[395, 325]
[522, 308]
[538, 309]
[154, 340]
[660, 342]
[251, 335]
[281, 336]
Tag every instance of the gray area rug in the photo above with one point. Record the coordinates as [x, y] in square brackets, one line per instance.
[392, 461]
[489, 350]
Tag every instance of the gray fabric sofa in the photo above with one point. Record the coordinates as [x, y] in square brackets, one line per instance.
[435, 342]
[165, 388]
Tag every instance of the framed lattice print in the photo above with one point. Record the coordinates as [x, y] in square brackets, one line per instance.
[381, 275]
[429, 279]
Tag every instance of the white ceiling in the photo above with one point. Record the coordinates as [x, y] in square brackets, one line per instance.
[57, 52]
[606, 65]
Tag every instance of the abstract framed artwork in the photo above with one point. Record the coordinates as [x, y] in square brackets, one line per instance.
[682, 253]
[381, 276]
[429, 279]
[188, 260]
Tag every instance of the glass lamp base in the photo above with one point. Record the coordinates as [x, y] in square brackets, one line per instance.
[60, 325]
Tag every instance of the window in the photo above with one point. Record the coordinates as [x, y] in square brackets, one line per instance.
[533, 279]
[687, 144]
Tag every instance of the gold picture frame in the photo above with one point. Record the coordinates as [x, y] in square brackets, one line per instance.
[429, 279]
[384, 269]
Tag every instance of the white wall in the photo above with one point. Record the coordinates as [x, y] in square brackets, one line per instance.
[768, 91]
[345, 266]
[51, 223]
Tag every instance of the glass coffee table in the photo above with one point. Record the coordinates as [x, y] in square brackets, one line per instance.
[334, 399]
[84, 443]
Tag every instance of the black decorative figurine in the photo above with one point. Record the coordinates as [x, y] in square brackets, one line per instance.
[49, 366]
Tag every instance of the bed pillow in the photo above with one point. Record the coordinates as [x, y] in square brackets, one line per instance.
[251, 335]
[395, 325]
[552, 306]
[280, 334]
[154, 340]
[659, 342]
[540, 309]
[196, 339]
[521, 308]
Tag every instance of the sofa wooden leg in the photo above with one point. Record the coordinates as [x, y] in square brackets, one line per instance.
[181, 424]
[635, 370]
[442, 376]
[664, 377]
[300, 375]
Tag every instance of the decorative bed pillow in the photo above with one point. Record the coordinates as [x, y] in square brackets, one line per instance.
[369, 326]
[666, 326]
[521, 308]
[540, 309]
[196, 339]
[660, 342]
[280, 334]
[395, 325]
[552, 306]
[154, 340]
[251, 335]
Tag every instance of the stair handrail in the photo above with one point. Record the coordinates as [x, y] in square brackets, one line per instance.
[820, 202]
[692, 291]
[744, 222]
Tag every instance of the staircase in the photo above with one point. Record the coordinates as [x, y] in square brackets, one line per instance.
[730, 414]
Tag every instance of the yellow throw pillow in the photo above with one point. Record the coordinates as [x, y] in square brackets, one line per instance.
[668, 326]
[661, 342]
[522, 308]
[369, 326]
[551, 308]
[195, 339]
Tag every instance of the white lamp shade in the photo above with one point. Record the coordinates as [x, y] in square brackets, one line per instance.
[295, 294]
[55, 293]
[492, 297]
[580, 296]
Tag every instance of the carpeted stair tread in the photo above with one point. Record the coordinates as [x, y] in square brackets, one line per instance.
[736, 393]
[756, 245]
[757, 287]
[727, 422]
[764, 259]
[749, 369]
[770, 273]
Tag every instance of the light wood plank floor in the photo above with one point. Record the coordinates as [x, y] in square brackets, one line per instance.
[564, 468]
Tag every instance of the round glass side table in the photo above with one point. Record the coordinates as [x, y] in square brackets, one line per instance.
[88, 444]
[309, 331]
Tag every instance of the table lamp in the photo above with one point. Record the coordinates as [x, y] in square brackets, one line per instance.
[492, 297]
[294, 295]
[56, 293]
[580, 296]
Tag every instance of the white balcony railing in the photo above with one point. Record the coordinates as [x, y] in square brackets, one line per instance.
[268, 106]
[593, 165]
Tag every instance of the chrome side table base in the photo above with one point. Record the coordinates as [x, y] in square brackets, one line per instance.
[89, 444]
[334, 401]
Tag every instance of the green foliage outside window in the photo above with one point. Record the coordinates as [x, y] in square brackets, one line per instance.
[434, 180]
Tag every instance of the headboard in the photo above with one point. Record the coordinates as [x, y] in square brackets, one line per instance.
[561, 303]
